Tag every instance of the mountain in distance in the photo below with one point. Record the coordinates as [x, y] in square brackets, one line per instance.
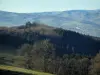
[82, 21]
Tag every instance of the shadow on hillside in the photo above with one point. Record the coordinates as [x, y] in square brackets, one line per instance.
[6, 72]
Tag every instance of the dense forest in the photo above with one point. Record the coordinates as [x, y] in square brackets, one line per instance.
[40, 47]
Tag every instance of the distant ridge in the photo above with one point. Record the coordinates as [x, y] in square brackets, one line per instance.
[83, 21]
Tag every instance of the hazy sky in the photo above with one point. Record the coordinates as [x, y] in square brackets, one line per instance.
[47, 5]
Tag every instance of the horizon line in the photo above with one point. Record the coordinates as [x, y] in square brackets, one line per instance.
[49, 11]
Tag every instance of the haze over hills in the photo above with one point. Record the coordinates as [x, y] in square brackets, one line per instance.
[83, 21]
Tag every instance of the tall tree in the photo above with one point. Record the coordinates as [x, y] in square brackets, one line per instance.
[45, 50]
[95, 68]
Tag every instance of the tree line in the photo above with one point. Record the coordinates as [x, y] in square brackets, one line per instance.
[42, 56]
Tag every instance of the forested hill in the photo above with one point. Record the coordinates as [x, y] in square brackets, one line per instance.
[65, 41]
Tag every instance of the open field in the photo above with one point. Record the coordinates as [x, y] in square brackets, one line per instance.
[21, 70]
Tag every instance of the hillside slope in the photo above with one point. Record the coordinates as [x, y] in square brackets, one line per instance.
[10, 70]
[82, 21]
[65, 41]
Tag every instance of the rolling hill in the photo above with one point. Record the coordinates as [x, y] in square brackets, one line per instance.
[82, 21]
[45, 49]
[65, 41]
